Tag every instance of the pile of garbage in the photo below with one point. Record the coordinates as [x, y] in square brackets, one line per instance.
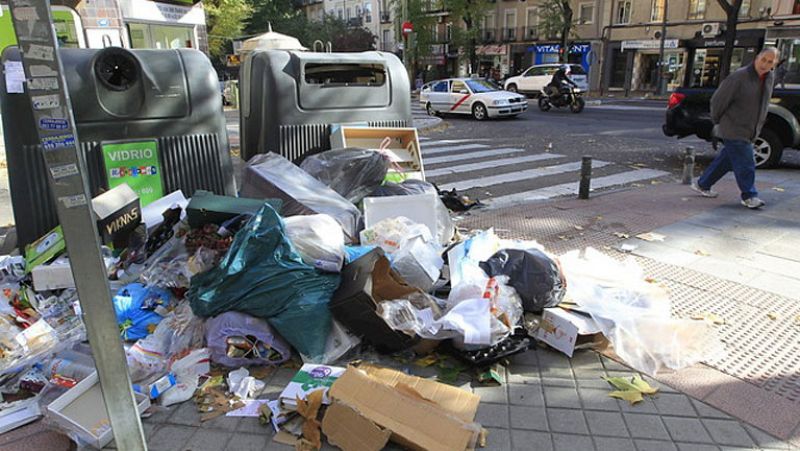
[319, 264]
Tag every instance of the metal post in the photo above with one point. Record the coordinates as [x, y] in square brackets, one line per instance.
[586, 177]
[55, 125]
[688, 165]
[660, 85]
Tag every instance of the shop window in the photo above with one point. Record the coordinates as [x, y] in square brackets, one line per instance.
[150, 36]
[657, 11]
[619, 69]
[586, 13]
[623, 15]
[697, 9]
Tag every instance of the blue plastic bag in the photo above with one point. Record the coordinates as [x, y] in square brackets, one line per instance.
[264, 276]
[135, 306]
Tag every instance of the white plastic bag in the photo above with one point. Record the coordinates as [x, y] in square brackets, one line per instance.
[415, 253]
[635, 315]
[319, 239]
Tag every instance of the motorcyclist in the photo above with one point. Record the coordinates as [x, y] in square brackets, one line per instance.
[558, 84]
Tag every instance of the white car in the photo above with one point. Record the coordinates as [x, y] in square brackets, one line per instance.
[537, 77]
[472, 96]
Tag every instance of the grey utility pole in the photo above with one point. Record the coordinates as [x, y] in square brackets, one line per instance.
[55, 125]
[661, 86]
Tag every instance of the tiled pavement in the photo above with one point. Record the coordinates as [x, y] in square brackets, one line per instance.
[549, 402]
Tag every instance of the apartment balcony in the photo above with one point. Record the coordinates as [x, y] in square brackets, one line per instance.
[488, 36]
[355, 22]
[386, 18]
[509, 34]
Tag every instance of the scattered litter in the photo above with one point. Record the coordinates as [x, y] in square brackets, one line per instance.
[651, 236]
[772, 315]
[709, 317]
[577, 227]
[778, 189]
[627, 247]
[624, 236]
[702, 253]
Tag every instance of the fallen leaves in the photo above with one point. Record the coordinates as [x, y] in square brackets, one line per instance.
[624, 236]
[577, 227]
[772, 315]
[651, 236]
[709, 317]
[630, 389]
[701, 253]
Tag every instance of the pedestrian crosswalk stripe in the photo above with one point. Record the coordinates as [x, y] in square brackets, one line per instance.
[439, 142]
[520, 175]
[565, 189]
[430, 150]
[490, 164]
[471, 155]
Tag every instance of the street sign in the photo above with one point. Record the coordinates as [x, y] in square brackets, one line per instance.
[55, 127]
[408, 28]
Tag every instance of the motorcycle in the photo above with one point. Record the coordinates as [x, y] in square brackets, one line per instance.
[570, 96]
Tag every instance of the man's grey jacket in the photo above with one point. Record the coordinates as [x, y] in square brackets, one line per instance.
[739, 106]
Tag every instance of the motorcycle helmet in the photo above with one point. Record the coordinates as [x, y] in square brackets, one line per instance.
[565, 68]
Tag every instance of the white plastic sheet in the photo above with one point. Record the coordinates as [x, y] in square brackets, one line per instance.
[635, 315]
[319, 240]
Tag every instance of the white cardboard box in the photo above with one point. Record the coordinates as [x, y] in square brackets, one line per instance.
[420, 208]
[560, 329]
[82, 411]
[56, 275]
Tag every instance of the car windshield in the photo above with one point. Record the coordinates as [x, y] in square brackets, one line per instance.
[478, 86]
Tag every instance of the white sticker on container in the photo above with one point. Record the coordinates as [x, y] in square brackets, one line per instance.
[67, 170]
[43, 83]
[73, 201]
[40, 52]
[26, 13]
[39, 70]
[46, 102]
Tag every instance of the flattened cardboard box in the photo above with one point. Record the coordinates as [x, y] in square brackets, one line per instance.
[415, 421]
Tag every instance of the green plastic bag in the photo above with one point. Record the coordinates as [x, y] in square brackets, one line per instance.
[263, 275]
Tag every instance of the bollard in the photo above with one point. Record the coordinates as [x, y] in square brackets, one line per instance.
[688, 165]
[586, 177]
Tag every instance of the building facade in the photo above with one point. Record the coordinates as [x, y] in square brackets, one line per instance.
[617, 42]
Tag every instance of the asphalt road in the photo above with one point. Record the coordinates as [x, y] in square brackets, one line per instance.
[537, 155]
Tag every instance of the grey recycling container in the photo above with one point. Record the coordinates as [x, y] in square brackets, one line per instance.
[119, 96]
[290, 99]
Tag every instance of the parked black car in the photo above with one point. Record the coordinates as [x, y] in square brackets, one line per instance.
[688, 113]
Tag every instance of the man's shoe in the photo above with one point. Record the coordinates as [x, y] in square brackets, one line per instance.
[704, 192]
[753, 203]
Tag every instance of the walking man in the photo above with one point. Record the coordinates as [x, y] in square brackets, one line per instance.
[738, 110]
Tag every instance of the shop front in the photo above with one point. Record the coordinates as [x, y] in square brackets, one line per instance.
[434, 65]
[579, 53]
[787, 40]
[157, 25]
[705, 56]
[492, 60]
[643, 64]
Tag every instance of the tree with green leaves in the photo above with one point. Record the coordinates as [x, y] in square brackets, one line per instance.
[467, 33]
[225, 20]
[556, 18]
[731, 8]
[424, 30]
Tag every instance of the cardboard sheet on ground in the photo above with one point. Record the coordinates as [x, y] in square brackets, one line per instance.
[414, 412]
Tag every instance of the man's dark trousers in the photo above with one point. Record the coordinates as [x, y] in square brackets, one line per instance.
[736, 156]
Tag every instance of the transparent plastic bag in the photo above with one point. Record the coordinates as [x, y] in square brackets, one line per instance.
[318, 239]
[168, 267]
[415, 255]
[340, 342]
[505, 304]
[635, 315]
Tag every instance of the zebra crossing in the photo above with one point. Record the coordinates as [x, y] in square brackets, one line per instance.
[502, 176]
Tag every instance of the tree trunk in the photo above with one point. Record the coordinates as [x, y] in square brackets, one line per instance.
[567, 27]
[732, 12]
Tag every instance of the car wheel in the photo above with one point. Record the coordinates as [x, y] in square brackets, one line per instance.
[429, 109]
[544, 104]
[512, 88]
[479, 111]
[767, 149]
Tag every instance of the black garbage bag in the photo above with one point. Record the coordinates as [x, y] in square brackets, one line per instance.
[535, 275]
[351, 172]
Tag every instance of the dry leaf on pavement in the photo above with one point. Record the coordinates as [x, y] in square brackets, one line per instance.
[650, 236]
[701, 253]
[630, 389]
[710, 317]
[772, 315]
[624, 236]
[632, 396]
[778, 189]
